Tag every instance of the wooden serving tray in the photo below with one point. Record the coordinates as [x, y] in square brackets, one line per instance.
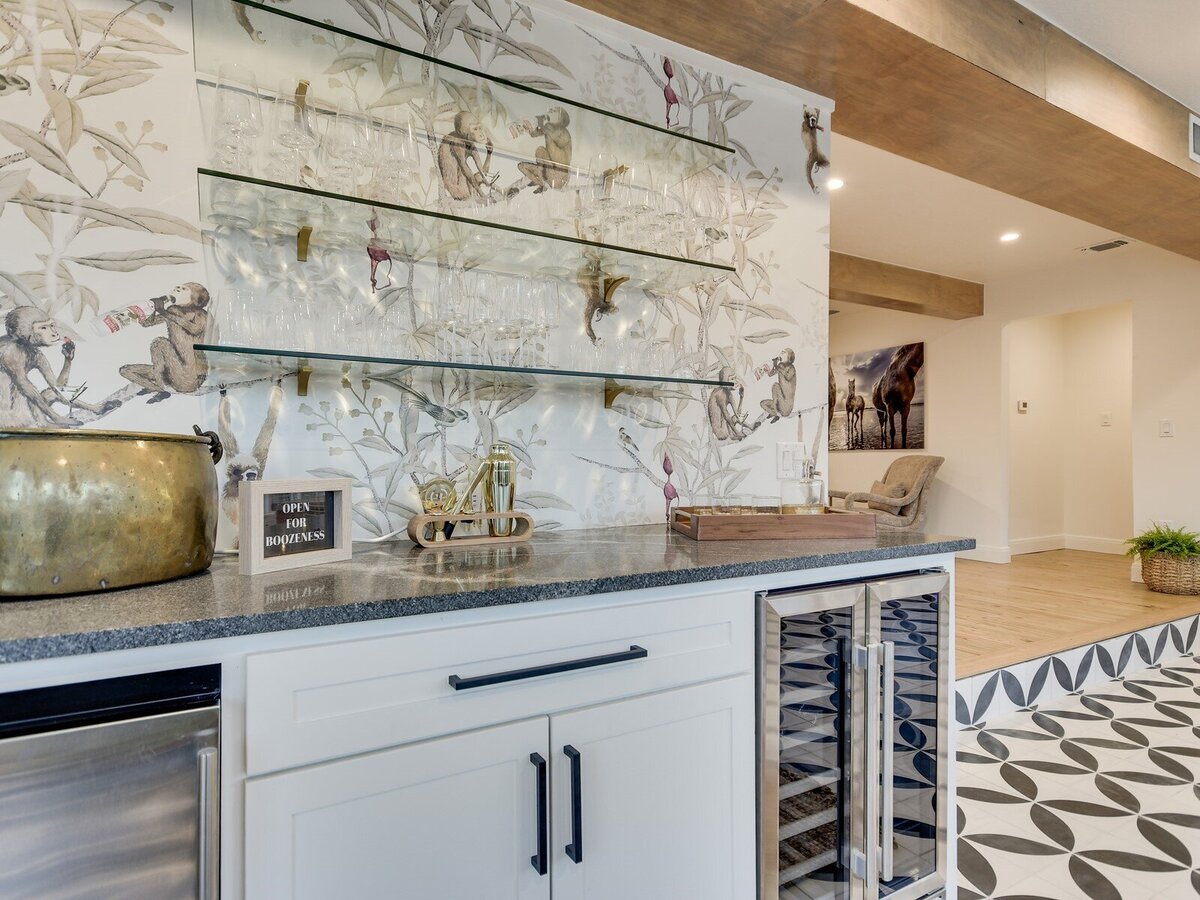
[423, 529]
[832, 523]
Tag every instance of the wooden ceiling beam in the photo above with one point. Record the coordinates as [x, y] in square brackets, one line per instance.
[983, 89]
[868, 282]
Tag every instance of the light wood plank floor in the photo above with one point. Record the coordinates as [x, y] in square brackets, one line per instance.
[1041, 603]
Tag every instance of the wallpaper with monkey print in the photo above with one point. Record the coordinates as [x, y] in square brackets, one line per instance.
[107, 276]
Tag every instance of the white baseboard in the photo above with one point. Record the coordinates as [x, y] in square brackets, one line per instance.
[1095, 544]
[1066, 542]
[1037, 544]
[1000, 555]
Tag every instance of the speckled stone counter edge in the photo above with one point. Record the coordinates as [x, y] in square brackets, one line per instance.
[126, 638]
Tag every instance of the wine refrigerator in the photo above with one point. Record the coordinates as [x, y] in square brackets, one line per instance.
[854, 732]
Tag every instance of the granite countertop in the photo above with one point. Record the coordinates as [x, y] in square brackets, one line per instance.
[403, 580]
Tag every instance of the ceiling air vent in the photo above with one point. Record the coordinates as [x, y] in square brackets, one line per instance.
[1106, 245]
[1194, 137]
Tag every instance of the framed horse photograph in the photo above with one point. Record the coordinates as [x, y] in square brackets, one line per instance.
[877, 399]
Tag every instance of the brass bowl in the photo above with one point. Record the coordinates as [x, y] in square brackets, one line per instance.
[85, 510]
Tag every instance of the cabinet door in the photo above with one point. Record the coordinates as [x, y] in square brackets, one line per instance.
[654, 796]
[452, 819]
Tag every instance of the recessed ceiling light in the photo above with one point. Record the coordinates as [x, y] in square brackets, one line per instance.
[835, 183]
[1010, 236]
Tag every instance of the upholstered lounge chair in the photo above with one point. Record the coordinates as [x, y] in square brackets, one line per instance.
[903, 505]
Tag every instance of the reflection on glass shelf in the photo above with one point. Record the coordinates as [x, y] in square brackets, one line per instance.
[230, 362]
[386, 78]
[312, 217]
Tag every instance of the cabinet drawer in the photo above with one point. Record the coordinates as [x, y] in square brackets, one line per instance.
[334, 700]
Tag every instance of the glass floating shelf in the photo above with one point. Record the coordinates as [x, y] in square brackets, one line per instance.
[231, 364]
[314, 217]
[389, 80]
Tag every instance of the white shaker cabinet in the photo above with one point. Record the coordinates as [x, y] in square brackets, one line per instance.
[653, 794]
[664, 803]
[450, 818]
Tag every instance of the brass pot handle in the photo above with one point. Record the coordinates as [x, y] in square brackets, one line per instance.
[214, 443]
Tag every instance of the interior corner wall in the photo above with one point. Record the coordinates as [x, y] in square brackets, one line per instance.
[1097, 457]
[1037, 364]
[968, 393]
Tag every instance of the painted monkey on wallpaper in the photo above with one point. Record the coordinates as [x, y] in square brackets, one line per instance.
[598, 289]
[725, 415]
[174, 365]
[456, 154]
[250, 466]
[553, 158]
[22, 404]
[817, 160]
[783, 391]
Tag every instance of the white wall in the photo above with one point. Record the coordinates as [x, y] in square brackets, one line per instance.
[1098, 459]
[1071, 477]
[969, 394]
[1037, 375]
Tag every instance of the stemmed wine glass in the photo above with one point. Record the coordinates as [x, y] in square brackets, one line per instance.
[236, 126]
[290, 140]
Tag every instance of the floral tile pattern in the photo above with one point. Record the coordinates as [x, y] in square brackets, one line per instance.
[1095, 796]
[981, 698]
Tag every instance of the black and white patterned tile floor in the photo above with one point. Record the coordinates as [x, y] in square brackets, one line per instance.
[1093, 796]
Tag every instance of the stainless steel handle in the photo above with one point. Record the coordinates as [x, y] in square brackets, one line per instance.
[209, 877]
[887, 835]
[871, 771]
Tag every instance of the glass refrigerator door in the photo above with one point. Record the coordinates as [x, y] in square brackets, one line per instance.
[808, 817]
[913, 630]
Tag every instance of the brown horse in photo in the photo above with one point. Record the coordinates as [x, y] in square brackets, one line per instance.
[880, 410]
[897, 387]
[855, 404]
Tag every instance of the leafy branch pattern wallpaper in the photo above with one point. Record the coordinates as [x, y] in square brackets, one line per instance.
[108, 277]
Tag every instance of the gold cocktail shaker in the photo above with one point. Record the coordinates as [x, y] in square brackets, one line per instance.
[500, 487]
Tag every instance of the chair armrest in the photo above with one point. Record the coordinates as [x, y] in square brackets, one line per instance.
[865, 497]
[841, 495]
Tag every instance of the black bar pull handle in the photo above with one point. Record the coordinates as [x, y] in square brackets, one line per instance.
[462, 684]
[540, 860]
[575, 848]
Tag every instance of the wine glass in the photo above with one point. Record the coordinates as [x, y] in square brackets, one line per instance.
[236, 119]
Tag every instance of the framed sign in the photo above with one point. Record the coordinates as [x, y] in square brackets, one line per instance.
[288, 524]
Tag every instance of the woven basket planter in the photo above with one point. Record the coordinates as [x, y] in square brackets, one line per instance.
[1167, 574]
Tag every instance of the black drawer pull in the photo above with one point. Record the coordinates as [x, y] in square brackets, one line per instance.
[575, 848]
[541, 860]
[462, 684]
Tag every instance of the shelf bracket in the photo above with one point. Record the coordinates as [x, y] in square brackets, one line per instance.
[302, 238]
[612, 391]
[302, 376]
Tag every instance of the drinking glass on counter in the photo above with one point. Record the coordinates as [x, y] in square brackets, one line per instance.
[766, 503]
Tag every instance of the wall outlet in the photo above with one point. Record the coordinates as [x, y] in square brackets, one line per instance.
[789, 458]
[1166, 428]
[1106, 420]
[1022, 407]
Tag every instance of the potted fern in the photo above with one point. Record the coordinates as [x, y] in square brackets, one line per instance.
[1170, 559]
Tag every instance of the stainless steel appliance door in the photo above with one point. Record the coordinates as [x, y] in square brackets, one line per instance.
[124, 809]
[811, 814]
[909, 626]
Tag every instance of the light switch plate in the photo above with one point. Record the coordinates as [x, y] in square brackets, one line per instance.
[1105, 420]
[788, 458]
[1166, 428]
